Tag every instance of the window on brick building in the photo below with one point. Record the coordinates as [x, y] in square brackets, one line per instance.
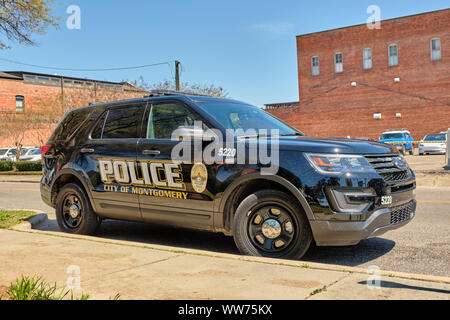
[435, 49]
[367, 58]
[20, 104]
[315, 68]
[338, 63]
[393, 55]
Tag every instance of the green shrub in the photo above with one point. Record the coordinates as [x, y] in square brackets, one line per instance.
[35, 288]
[27, 166]
[6, 166]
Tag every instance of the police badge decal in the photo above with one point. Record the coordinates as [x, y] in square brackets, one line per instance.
[199, 177]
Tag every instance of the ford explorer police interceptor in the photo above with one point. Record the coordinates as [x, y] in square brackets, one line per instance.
[115, 161]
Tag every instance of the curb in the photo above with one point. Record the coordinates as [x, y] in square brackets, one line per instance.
[32, 222]
[29, 226]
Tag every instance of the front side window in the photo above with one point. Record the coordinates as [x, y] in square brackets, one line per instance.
[20, 104]
[367, 58]
[315, 68]
[166, 118]
[435, 49]
[123, 123]
[393, 55]
[338, 63]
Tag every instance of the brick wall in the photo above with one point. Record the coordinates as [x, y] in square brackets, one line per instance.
[42, 97]
[331, 106]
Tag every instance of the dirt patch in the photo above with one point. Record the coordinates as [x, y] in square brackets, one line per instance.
[3, 294]
[433, 179]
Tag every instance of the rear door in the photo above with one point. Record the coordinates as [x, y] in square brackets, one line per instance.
[110, 155]
[168, 194]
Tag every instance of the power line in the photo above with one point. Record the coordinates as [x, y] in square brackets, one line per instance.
[93, 70]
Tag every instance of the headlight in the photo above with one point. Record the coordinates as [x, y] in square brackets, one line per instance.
[337, 164]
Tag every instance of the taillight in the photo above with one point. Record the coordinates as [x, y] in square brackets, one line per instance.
[44, 150]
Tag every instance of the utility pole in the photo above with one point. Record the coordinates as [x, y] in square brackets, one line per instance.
[177, 75]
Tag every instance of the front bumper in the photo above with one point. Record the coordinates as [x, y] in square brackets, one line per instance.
[345, 233]
[423, 150]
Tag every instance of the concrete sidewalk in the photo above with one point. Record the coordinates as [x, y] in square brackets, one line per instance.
[137, 271]
[20, 178]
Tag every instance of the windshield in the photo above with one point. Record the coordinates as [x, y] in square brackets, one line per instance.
[437, 137]
[388, 136]
[35, 152]
[3, 152]
[244, 117]
[24, 152]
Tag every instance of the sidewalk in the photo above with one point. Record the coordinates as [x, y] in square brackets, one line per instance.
[21, 178]
[137, 271]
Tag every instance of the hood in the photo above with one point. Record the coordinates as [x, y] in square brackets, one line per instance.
[334, 145]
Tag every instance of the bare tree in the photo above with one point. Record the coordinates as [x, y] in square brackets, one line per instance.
[20, 19]
[211, 90]
[14, 127]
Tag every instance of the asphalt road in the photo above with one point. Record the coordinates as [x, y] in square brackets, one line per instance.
[422, 247]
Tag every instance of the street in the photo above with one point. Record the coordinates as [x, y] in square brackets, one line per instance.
[421, 247]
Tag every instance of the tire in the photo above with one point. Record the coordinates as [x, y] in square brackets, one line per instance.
[255, 237]
[87, 222]
[411, 152]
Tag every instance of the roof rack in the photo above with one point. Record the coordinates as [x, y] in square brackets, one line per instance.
[161, 93]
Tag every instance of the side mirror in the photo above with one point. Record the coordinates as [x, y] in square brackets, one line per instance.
[191, 134]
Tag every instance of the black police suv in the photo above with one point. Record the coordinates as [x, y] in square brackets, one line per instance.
[119, 161]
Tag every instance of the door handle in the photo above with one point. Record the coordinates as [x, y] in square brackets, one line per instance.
[151, 152]
[87, 150]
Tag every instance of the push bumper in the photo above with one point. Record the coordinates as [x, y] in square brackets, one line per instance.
[344, 233]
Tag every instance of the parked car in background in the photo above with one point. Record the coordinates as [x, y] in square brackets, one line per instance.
[32, 155]
[402, 139]
[434, 143]
[8, 154]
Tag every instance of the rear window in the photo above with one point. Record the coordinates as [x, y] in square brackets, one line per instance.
[70, 124]
[3, 152]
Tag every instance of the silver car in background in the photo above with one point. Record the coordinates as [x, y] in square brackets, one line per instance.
[435, 143]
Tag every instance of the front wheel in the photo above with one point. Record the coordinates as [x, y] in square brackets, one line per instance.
[271, 224]
[74, 212]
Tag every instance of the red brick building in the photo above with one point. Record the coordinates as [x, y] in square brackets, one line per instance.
[358, 82]
[22, 93]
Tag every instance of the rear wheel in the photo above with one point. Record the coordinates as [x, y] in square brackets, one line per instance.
[271, 224]
[74, 212]
[411, 152]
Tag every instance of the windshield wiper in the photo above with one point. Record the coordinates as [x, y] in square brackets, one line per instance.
[299, 134]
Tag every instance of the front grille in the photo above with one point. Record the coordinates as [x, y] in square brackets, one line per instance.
[403, 213]
[385, 167]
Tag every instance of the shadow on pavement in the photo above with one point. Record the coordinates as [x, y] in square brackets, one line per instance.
[366, 251]
[351, 256]
[395, 285]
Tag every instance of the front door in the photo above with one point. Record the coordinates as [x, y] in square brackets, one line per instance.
[172, 193]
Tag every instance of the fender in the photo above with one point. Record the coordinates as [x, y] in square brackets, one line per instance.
[81, 176]
[220, 208]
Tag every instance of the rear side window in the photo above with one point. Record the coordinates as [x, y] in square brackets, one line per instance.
[98, 130]
[123, 123]
[70, 124]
